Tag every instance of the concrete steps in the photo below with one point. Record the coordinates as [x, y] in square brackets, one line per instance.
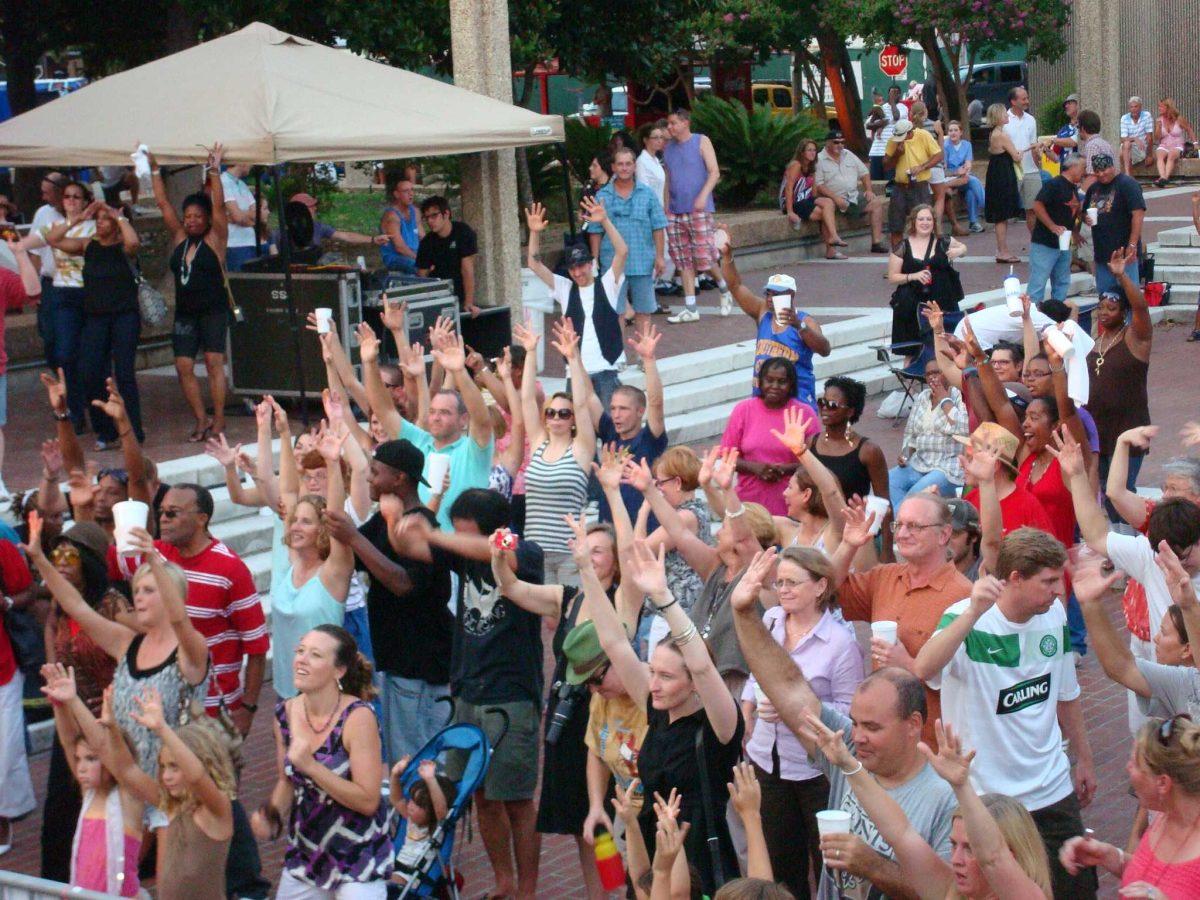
[1177, 260]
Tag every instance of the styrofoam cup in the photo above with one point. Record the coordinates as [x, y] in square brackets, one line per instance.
[1064, 240]
[720, 240]
[127, 515]
[1060, 341]
[885, 631]
[833, 821]
[1093, 215]
[880, 507]
[1012, 294]
[436, 467]
[324, 315]
[781, 302]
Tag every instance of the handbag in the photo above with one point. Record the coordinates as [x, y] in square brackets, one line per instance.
[151, 303]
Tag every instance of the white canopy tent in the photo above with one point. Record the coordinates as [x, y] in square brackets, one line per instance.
[269, 97]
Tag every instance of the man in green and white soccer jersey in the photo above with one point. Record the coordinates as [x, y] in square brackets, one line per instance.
[1008, 684]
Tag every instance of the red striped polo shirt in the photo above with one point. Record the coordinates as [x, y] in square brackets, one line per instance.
[224, 606]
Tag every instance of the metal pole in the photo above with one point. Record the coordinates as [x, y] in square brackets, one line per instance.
[566, 180]
[285, 253]
[258, 248]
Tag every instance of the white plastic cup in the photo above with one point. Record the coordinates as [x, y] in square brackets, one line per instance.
[781, 302]
[324, 316]
[885, 631]
[760, 696]
[880, 507]
[833, 821]
[1064, 240]
[720, 240]
[1093, 215]
[1060, 341]
[127, 515]
[436, 467]
[1012, 294]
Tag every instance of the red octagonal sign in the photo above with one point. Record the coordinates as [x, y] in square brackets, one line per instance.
[892, 61]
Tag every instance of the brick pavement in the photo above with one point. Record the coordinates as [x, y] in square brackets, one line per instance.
[1174, 400]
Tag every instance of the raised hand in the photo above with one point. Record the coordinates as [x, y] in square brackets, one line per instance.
[648, 571]
[442, 333]
[535, 217]
[262, 413]
[82, 488]
[593, 210]
[218, 448]
[795, 426]
[33, 547]
[933, 315]
[1190, 434]
[1090, 583]
[335, 410]
[751, 584]
[565, 341]
[114, 405]
[1140, 437]
[671, 836]
[60, 682]
[857, 528]
[636, 473]
[282, 425]
[149, 712]
[985, 592]
[1067, 451]
[56, 390]
[622, 802]
[475, 360]
[427, 769]
[974, 350]
[526, 336]
[956, 352]
[744, 791]
[725, 474]
[950, 761]
[504, 365]
[52, 460]
[708, 466]
[979, 464]
[1121, 257]
[452, 355]
[412, 360]
[330, 439]
[216, 155]
[395, 315]
[646, 341]
[368, 343]
[830, 742]
[1179, 583]
[611, 466]
[578, 542]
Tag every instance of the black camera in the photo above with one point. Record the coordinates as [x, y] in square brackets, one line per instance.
[568, 696]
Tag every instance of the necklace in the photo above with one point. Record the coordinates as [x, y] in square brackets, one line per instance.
[1101, 349]
[185, 264]
[328, 722]
[848, 439]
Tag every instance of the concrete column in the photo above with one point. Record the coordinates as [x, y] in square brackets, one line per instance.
[479, 42]
[1098, 62]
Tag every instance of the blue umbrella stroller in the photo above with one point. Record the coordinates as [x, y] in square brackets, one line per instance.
[462, 752]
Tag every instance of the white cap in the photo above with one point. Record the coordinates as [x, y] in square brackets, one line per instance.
[780, 284]
[901, 128]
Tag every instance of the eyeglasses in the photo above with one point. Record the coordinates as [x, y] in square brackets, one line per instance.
[119, 474]
[1167, 728]
[659, 482]
[598, 676]
[65, 553]
[790, 584]
[1029, 373]
[831, 404]
[897, 527]
[559, 413]
[430, 216]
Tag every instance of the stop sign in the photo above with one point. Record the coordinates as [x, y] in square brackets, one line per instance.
[892, 61]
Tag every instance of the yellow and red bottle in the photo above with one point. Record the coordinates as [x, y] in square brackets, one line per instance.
[608, 862]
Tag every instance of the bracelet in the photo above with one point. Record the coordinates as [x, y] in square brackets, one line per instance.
[853, 771]
[253, 707]
[62, 417]
[687, 636]
[735, 515]
[661, 609]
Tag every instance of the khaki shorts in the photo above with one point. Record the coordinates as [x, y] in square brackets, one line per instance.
[1137, 153]
[905, 197]
[1031, 186]
[513, 772]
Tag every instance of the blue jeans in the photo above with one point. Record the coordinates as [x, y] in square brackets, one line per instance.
[109, 345]
[604, 383]
[1076, 626]
[47, 308]
[236, 257]
[68, 330]
[905, 480]
[411, 715]
[1107, 282]
[1048, 262]
[973, 191]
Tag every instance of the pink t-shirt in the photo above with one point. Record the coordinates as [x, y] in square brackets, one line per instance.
[749, 430]
[1177, 881]
[503, 444]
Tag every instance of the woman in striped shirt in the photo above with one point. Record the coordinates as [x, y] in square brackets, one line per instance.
[564, 442]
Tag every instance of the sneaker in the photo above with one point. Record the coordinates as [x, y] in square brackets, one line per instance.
[726, 302]
[975, 228]
[705, 282]
[687, 314]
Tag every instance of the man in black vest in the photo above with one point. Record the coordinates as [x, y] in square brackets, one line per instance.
[586, 301]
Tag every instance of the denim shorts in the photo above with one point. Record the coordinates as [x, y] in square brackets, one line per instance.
[640, 291]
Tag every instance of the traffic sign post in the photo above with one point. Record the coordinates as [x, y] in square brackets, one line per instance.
[893, 61]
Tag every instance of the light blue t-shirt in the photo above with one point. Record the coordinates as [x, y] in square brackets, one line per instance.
[295, 611]
[470, 466]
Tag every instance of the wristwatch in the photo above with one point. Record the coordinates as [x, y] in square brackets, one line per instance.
[62, 417]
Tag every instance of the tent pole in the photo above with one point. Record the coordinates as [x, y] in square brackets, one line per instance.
[566, 180]
[285, 252]
[258, 248]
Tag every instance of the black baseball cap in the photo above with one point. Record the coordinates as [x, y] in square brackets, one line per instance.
[403, 456]
[578, 255]
[835, 134]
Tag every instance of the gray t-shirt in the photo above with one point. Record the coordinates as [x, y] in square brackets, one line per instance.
[1173, 690]
[926, 799]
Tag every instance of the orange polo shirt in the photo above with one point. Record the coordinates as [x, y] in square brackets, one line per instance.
[884, 594]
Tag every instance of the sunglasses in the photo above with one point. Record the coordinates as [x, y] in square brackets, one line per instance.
[831, 404]
[65, 553]
[119, 474]
[172, 513]
[598, 676]
[559, 413]
[1167, 728]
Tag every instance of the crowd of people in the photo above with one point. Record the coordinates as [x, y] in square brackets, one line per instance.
[781, 667]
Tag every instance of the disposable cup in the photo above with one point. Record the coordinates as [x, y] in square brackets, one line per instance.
[833, 821]
[720, 239]
[1064, 240]
[436, 467]
[781, 302]
[127, 515]
[1060, 341]
[885, 631]
[880, 507]
[324, 315]
[1093, 215]
[1012, 294]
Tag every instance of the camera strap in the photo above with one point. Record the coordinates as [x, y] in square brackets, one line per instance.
[560, 659]
[709, 825]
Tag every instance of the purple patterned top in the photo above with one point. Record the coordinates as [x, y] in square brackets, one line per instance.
[328, 844]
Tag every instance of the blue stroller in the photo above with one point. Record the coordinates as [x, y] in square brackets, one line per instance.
[462, 752]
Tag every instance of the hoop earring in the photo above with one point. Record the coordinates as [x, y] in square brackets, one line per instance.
[339, 684]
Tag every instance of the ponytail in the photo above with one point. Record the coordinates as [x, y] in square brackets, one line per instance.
[357, 680]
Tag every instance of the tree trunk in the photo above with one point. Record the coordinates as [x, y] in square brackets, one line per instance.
[947, 87]
[22, 45]
[836, 62]
[798, 66]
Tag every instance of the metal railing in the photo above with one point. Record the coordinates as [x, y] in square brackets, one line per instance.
[15, 886]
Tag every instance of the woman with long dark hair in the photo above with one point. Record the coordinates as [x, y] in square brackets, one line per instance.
[198, 244]
[798, 202]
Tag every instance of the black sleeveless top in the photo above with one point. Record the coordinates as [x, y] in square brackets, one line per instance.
[200, 287]
[108, 285]
[849, 469]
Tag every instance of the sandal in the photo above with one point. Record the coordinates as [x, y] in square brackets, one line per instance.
[838, 243]
[1008, 260]
[836, 255]
[200, 435]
